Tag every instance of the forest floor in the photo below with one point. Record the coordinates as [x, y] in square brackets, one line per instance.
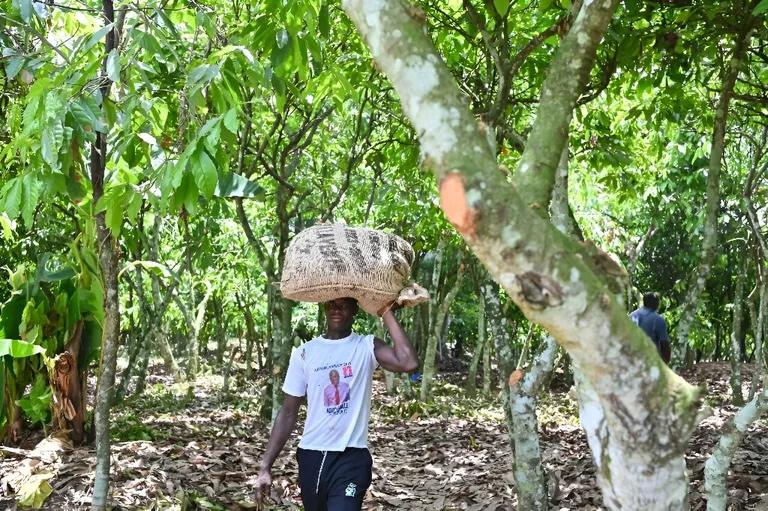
[182, 448]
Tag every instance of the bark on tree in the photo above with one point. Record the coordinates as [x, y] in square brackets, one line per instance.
[194, 329]
[736, 335]
[646, 412]
[525, 386]
[440, 314]
[480, 347]
[717, 466]
[709, 241]
[109, 264]
[505, 355]
[758, 330]
[156, 329]
[487, 349]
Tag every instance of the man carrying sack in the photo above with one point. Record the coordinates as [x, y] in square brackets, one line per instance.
[344, 268]
[334, 372]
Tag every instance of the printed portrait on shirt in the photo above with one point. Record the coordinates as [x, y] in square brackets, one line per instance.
[337, 391]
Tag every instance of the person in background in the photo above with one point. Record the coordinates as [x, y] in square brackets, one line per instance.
[651, 322]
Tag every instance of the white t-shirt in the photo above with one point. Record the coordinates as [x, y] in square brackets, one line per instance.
[336, 376]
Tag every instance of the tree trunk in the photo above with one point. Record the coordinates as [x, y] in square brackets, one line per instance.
[709, 241]
[487, 350]
[480, 346]
[718, 342]
[759, 332]
[717, 466]
[282, 343]
[156, 329]
[441, 311]
[250, 340]
[647, 412]
[221, 331]
[194, 330]
[109, 264]
[505, 355]
[736, 334]
[524, 387]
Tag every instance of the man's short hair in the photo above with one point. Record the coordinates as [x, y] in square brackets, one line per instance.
[651, 300]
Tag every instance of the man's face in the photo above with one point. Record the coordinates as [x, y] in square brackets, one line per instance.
[340, 313]
[334, 378]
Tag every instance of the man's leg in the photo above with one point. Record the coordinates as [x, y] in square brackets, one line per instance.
[313, 495]
[349, 476]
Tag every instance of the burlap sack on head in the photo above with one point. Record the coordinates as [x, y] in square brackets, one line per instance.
[330, 261]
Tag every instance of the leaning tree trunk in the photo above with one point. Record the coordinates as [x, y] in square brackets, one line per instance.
[431, 352]
[109, 262]
[647, 412]
[524, 388]
[736, 334]
[717, 466]
[709, 241]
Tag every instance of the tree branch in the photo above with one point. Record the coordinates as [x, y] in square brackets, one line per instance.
[568, 74]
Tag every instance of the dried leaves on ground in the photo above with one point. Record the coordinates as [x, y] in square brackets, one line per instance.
[187, 448]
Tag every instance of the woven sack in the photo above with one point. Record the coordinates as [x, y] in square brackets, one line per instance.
[330, 261]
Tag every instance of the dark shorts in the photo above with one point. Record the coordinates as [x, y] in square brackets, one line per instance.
[334, 481]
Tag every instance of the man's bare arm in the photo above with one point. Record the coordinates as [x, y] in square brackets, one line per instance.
[281, 432]
[401, 356]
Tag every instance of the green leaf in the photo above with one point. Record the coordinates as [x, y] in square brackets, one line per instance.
[158, 269]
[235, 185]
[205, 174]
[50, 142]
[324, 21]
[19, 349]
[37, 403]
[7, 225]
[25, 9]
[13, 193]
[231, 122]
[113, 65]
[30, 197]
[13, 67]
[501, 6]
[97, 36]
[760, 8]
[57, 274]
[545, 4]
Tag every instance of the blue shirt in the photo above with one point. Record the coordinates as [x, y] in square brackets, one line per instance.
[652, 324]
